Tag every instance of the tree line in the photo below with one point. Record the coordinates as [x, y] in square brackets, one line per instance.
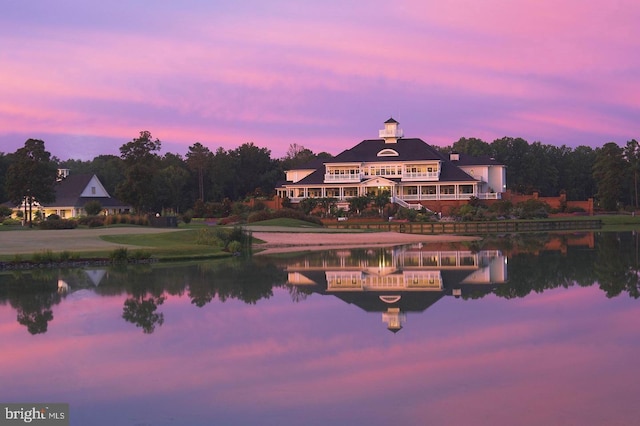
[151, 182]
[608, 173]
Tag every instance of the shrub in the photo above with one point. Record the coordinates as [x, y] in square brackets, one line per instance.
[5, 211]
[187, 216]
[259, 216]
[208, 237]
[45, 256]
[96, 221]
[66, 255]
[119, 255]
[575, 209]
[93, 207]
[11, 222]
[229, 219]
[53, 216]
[234, 246]
[58, 224]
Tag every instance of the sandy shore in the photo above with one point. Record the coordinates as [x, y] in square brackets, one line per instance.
[276, 239]
[279, 242]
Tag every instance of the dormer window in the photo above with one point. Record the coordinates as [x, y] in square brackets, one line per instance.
[388, 153]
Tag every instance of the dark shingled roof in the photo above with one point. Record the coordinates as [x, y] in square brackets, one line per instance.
[468, 160]
[407, 149]
[68, 193]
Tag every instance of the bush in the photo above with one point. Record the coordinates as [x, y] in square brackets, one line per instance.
[259, 216]
[53, 216]
[11, 222]
[119, 255]
[531, 209]
[58, 224]
[45, 256]
[234, 246]
[5, 211]
[575, 209]
[208, 237]
[93, 207]
[186, 218]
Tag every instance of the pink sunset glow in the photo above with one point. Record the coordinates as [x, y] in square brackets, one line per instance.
[87, 78]
[527, 368]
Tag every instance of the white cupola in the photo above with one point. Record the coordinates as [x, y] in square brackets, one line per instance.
[391, 133]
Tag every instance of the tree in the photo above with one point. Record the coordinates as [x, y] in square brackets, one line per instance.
[199, 159]
[472, 146]
[632, 156]
[296, 156]
[170, 184]
[381, 199]
[4, 166]
[254, 170]
[308, 204]
[140, 161]
[31, 177]
[327, 204]
[512, 153]
[607, 173]
[357, 204]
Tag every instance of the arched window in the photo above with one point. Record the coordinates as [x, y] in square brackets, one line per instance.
[388, 152]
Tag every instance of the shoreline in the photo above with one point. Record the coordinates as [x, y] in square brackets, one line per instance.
[276, 239]
[282, 242]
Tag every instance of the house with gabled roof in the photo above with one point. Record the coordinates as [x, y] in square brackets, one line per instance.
[73, 192]
[414, 173]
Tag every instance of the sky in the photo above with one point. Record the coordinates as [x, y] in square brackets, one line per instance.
[87, 77]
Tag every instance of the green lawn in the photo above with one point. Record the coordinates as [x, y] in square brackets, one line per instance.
[169, 245]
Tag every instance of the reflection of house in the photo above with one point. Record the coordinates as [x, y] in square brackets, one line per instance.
[73, 192]
[398, 280]
[414, 174]
[74, 281]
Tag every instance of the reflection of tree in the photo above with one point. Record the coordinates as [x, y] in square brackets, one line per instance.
[32, 297]
[617, 268]
[298, 293]
[141, 311]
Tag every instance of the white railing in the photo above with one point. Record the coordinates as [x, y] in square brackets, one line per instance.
[430, 176]
[328, 177]
[390, 133]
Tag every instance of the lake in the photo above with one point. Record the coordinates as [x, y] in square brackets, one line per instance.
[527, 330]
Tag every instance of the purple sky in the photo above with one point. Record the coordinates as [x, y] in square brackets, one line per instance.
[87, 77]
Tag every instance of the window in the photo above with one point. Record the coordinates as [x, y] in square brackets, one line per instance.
[447, 189]
[466, 189]
[93, 190]
[429, 190]
[410, 190]
[388, 153]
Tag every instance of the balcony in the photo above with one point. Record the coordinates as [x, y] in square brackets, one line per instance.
[347, 178]
[414, 176]
[391, 133]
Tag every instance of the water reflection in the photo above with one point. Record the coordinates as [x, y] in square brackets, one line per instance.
[276, 340]
[392, 281]
[397, 280]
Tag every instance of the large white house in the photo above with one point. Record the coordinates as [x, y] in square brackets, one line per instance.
[414, 173]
